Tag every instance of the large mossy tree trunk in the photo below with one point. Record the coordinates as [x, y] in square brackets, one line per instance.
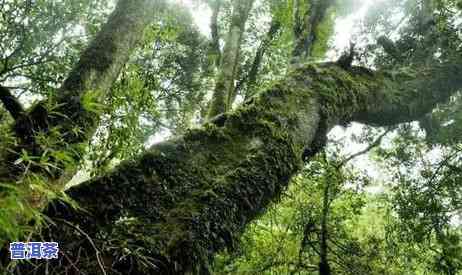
[173, 208]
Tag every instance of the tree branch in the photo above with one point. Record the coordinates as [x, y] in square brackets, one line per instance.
[11, 103]
[367, 149]
[215, 47]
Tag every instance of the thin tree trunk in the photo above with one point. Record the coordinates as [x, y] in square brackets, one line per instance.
[11, 103]
[215, 51]
[324, 268]
[250, 79]
[224, 87]
[190, 197]
[307, 18]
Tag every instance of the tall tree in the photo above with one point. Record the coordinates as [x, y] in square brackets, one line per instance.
[172, 208]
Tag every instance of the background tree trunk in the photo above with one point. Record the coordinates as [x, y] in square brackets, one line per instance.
[307, 19]
[170, 210]
[224, 86]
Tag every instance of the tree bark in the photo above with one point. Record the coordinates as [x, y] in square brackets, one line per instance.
[173, 208]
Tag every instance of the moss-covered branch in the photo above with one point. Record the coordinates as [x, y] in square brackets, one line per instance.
[173, 208]
[409, 94]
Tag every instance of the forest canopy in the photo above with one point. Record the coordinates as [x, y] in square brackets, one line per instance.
[231, 136]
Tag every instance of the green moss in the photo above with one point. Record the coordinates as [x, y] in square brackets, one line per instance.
[342, 92]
